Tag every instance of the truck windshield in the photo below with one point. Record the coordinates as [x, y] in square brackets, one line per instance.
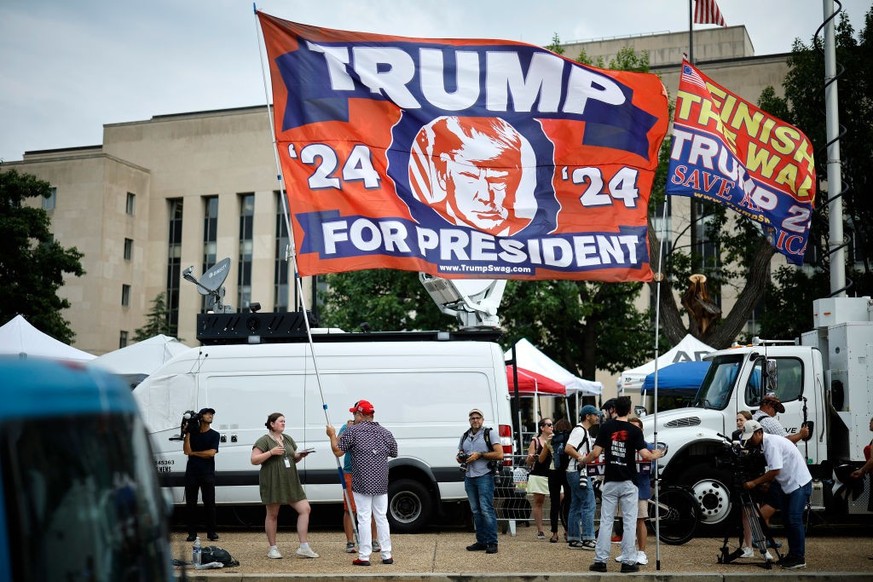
[715, 392]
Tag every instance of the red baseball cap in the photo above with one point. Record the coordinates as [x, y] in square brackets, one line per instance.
[362, 406]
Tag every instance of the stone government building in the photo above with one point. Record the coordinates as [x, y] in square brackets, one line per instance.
[189, 189]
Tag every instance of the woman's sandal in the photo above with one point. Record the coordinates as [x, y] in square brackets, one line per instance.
[554, 538]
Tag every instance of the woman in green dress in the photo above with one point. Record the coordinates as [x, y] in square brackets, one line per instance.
[277, 455]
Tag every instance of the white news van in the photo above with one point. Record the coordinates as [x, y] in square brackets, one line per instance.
[421, 390]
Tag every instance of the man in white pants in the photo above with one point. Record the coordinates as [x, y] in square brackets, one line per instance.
[371, 445]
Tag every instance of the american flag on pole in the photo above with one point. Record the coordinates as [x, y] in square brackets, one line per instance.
[707, 12]
[690, 75]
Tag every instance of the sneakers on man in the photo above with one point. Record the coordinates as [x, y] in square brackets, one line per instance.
[747, 552]
[350, 548]
[491, 549]
[359, 562]
[306, 552]
[628, 568]
[376, 546]
[575, 544]
[793, 563]
[477, 547]
[642, 558]
[213, 537]
[387, 561]
[589, 545]
[598, 567]
[274, 553]
[191, 537]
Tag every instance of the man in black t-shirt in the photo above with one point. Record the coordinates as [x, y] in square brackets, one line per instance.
[620, 441]
[201, 447]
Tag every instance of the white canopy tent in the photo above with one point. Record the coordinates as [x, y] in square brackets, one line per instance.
[690, 349]
[530, 358]
[136, 361]
[18, 337]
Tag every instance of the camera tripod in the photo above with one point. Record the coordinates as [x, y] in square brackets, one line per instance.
[761, 536]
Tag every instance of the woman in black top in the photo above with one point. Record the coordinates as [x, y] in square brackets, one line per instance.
[539, 459]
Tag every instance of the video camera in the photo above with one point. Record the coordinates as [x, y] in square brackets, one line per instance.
[744, 464]
[190, 423]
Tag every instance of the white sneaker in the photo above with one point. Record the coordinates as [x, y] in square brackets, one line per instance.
[642, 558]
[747, 552]
[274, 553]
[768, 556]
[306, 552]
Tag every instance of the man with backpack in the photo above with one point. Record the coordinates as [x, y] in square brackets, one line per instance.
[582, 504]
[478, 454]
[619, 441]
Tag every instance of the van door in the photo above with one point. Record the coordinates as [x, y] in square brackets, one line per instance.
[242, 404]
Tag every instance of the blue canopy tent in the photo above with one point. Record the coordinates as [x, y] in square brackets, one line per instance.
[680, 380]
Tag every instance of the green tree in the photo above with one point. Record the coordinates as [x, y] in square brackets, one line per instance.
[32, 263]
[384, 299]
[157, 321]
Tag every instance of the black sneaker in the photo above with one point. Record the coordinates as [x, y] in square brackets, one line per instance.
[477, 547]
[598, 567]
[491, 549]
[388, 561]
[191, 537]
[627, 568]
[793, 563]
[213, 537]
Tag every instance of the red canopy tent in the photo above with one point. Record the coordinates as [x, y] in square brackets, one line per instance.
[534, 383]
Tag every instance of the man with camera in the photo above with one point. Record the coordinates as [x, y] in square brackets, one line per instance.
[476, 451]
[200, 445]
[790, 482]
[582, 504]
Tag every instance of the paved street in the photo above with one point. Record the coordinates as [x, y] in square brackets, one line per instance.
[442, 555]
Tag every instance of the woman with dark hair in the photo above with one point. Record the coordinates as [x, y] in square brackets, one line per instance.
[277, 455]
[539, 459]
[559, 489]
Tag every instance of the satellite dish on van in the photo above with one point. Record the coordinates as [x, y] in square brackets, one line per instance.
[210, 284]
[213, 278]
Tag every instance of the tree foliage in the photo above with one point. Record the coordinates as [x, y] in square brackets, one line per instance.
[157, 321]
[32, 263]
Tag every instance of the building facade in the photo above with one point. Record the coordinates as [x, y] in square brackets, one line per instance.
[187, 190]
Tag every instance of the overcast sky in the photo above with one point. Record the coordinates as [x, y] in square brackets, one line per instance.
[69, 66]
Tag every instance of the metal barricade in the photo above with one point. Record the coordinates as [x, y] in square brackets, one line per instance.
[511, 500]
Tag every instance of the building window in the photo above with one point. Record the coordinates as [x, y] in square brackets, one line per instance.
[280, 272]
[50, 202]
[128, 249]
[246, 243]
[174, 261]
[210, 238]
[125, 295]
[130, 207]
[122, 339]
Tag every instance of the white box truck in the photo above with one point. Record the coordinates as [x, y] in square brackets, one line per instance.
[421, 390]
[826, 381]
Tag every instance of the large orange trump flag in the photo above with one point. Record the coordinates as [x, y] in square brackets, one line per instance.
[462, 158]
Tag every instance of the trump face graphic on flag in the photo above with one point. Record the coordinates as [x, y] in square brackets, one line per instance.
[478, 172]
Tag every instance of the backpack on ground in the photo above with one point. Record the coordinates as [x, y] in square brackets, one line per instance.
[211, 554]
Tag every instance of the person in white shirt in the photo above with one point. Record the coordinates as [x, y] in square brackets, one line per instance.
[582, 504]
[788, 474]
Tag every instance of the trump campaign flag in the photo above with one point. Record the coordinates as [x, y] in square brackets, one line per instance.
[461, 158]
[726, 150]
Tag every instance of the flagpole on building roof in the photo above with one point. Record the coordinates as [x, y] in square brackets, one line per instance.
[691, 31]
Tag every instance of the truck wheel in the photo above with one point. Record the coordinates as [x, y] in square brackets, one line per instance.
[409, 506]
[710, 487]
